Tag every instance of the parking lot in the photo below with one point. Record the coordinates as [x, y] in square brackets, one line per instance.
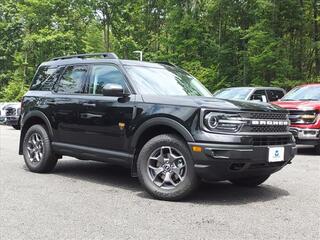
[89, 200]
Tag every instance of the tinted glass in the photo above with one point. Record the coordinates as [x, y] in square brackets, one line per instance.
[73, 79]
[259, 95]
[274, 95]
[41, 76]
[304, 93]
[233, 93]
[104, 74]
[166, 81]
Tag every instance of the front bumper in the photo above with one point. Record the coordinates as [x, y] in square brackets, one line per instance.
[226, 161]
[306, 135]
[12, 120]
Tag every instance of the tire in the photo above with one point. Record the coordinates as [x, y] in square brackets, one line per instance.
[40, 157]
[164, 183]
[16, 127]
[251, 181]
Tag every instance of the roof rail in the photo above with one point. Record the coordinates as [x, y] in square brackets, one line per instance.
[108, 55]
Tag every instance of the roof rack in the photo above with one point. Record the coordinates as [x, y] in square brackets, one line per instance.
[108, 55]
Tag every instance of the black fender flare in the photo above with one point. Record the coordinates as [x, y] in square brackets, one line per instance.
[25, 118]
[161, 121]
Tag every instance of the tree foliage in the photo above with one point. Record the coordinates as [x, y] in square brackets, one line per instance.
[222, 42]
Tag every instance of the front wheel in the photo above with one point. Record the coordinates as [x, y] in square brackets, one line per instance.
[250, 181]
[165, 168]
[37, 151]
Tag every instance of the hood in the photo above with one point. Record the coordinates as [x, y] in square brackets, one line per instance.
[211, 102]
[299, 105]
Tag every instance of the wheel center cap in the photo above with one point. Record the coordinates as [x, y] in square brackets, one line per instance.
[167, 167]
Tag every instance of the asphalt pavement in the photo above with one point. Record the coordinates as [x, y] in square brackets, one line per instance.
[89, 200]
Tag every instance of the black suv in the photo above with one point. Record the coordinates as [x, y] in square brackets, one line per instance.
[154, 118]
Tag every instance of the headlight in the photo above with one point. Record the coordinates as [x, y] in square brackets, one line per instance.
[222, 122]
[309, 117]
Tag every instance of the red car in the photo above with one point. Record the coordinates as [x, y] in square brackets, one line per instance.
[303, 103]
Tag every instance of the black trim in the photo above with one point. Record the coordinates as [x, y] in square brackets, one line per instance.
[41, 115]
[162, 121]
[25, 118]
[90, 153]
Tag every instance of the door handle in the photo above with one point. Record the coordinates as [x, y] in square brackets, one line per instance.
[89, 104]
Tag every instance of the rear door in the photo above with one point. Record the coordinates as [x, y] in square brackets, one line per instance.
[68, 93]
[104, 119]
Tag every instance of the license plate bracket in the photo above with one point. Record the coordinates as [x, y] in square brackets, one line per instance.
[276, 154]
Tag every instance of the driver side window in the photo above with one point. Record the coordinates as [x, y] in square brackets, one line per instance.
[105, 74]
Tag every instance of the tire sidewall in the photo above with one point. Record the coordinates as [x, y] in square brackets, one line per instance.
[183, 188]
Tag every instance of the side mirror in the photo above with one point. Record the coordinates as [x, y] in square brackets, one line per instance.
[114, 90]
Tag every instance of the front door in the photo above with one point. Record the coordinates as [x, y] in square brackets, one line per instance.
[104, 119]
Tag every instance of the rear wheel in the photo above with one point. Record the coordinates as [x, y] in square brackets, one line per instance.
[251, 181]
[37, 151]
[165, 168]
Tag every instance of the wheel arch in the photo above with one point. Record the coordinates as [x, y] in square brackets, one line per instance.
[155, 127]
[32, 118]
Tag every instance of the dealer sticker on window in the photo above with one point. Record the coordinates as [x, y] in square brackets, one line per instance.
[276, 154]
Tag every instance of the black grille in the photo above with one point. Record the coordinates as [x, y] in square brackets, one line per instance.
[275, 128]
[272, 116]
[271, 140]
[265, 115]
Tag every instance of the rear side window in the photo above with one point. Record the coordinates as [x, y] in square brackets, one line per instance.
[40, 80]
[275, 95]
[73, 80]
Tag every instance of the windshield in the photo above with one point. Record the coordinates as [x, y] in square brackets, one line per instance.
[304, 93]
[233, 93]
[167, 81]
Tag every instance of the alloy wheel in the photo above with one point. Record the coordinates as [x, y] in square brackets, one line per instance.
[35, 148]
[167, 167]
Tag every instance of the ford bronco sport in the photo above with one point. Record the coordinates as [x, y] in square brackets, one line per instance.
[154, 118]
